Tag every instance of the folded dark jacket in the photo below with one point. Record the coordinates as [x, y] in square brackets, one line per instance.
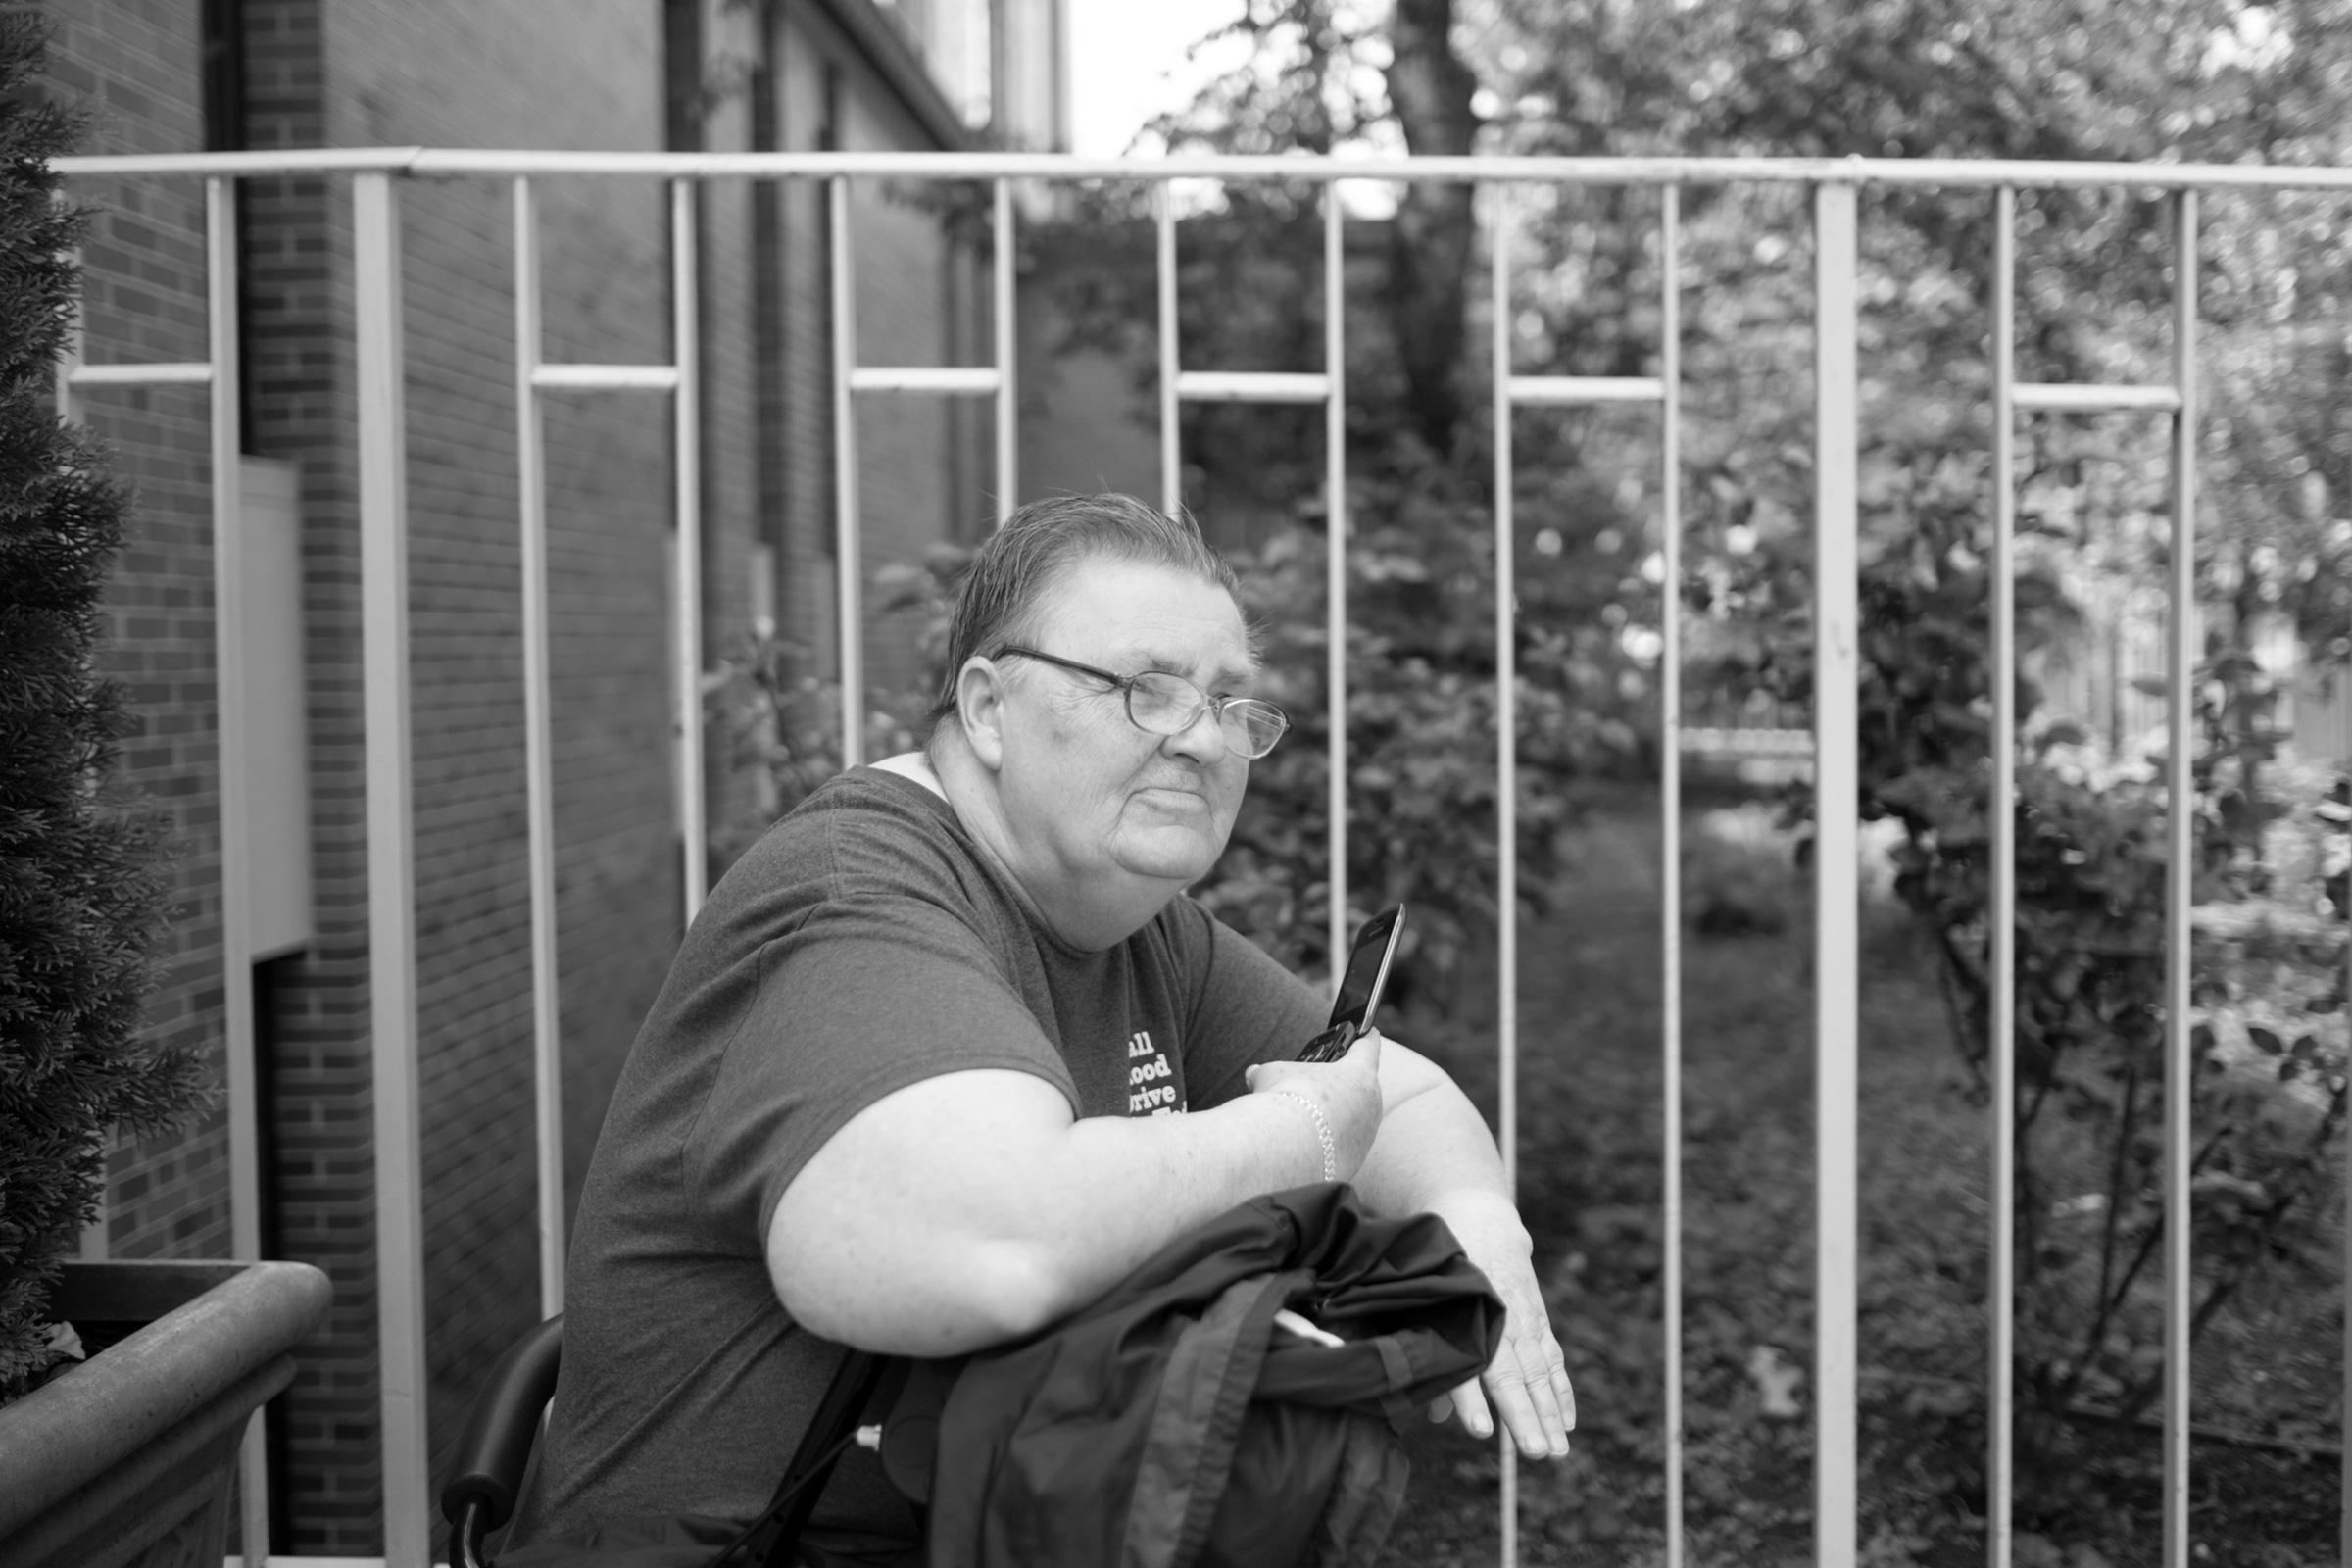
[1171, 1425]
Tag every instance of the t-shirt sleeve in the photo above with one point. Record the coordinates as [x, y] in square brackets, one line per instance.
[866, 997]
[1247, 1008]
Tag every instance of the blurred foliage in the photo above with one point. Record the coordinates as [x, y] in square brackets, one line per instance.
[1420, 736]
[2093, 852]
[1888, 80]
[780, 726]
[2153, 81]
[2160, 81]
[2091, 79]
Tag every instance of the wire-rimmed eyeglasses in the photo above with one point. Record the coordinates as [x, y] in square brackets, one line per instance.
[1162, 702]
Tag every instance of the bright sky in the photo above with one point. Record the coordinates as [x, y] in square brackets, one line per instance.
[1127, 65]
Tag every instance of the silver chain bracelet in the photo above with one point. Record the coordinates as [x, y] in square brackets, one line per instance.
[1331, 1149]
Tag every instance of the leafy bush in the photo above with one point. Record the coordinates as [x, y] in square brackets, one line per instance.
[80, 901]
[1420, 732]
[783, 727]
[2268, 853]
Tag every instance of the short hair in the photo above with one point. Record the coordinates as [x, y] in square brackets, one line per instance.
[999, 597]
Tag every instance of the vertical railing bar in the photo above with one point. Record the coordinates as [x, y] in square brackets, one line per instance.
[686, 616]
[848, 555]
[391, 870]
[2180, 740]
[1171, 435]
[234, 736]
[1670, 825]
[1506, 784]
[1836, 924]
[1334, 562]
[2001, 807]
[538, 750]
[1009, 400]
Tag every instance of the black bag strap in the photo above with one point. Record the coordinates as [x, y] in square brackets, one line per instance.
[771, 1539]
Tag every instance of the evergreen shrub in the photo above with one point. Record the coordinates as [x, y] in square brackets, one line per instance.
[82, 899]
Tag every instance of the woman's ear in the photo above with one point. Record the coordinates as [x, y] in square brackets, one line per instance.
[980, 706]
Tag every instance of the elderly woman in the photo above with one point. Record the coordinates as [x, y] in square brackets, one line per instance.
[949, 1051]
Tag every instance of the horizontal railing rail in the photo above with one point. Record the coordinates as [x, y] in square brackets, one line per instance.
[1831, 746]
[1948, 174]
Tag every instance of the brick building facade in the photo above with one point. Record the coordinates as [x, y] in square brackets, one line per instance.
[616, 75]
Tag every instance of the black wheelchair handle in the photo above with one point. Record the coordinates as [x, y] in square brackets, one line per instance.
[486, 1478]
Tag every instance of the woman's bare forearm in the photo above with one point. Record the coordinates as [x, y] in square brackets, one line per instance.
[943, 1223]
[1434, 1149]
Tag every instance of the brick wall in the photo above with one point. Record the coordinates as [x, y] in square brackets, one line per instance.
[494, 75]
[481, 72]
[736, 495]
[924, 463]
[144, 255]
[299, 370]
[451, 74]
[800, 436]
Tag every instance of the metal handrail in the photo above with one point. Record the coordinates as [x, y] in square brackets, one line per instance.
[1939, 172]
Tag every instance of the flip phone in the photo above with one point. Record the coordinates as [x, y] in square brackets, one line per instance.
[1360, 987]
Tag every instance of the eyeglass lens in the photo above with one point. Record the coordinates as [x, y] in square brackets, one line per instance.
[1168, 705]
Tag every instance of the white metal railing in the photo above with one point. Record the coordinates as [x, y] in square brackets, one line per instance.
[850, 378]
[1835, 183]
[217, 372]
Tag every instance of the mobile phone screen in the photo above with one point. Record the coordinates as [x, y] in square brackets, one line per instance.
[1359, 987]
[1367, 969]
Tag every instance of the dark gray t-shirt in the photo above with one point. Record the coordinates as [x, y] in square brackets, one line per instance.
[861, 945]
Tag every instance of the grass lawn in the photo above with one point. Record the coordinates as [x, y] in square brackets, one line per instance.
[1589, 1162]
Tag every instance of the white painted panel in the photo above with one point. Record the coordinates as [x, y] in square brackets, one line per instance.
[277, 810]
